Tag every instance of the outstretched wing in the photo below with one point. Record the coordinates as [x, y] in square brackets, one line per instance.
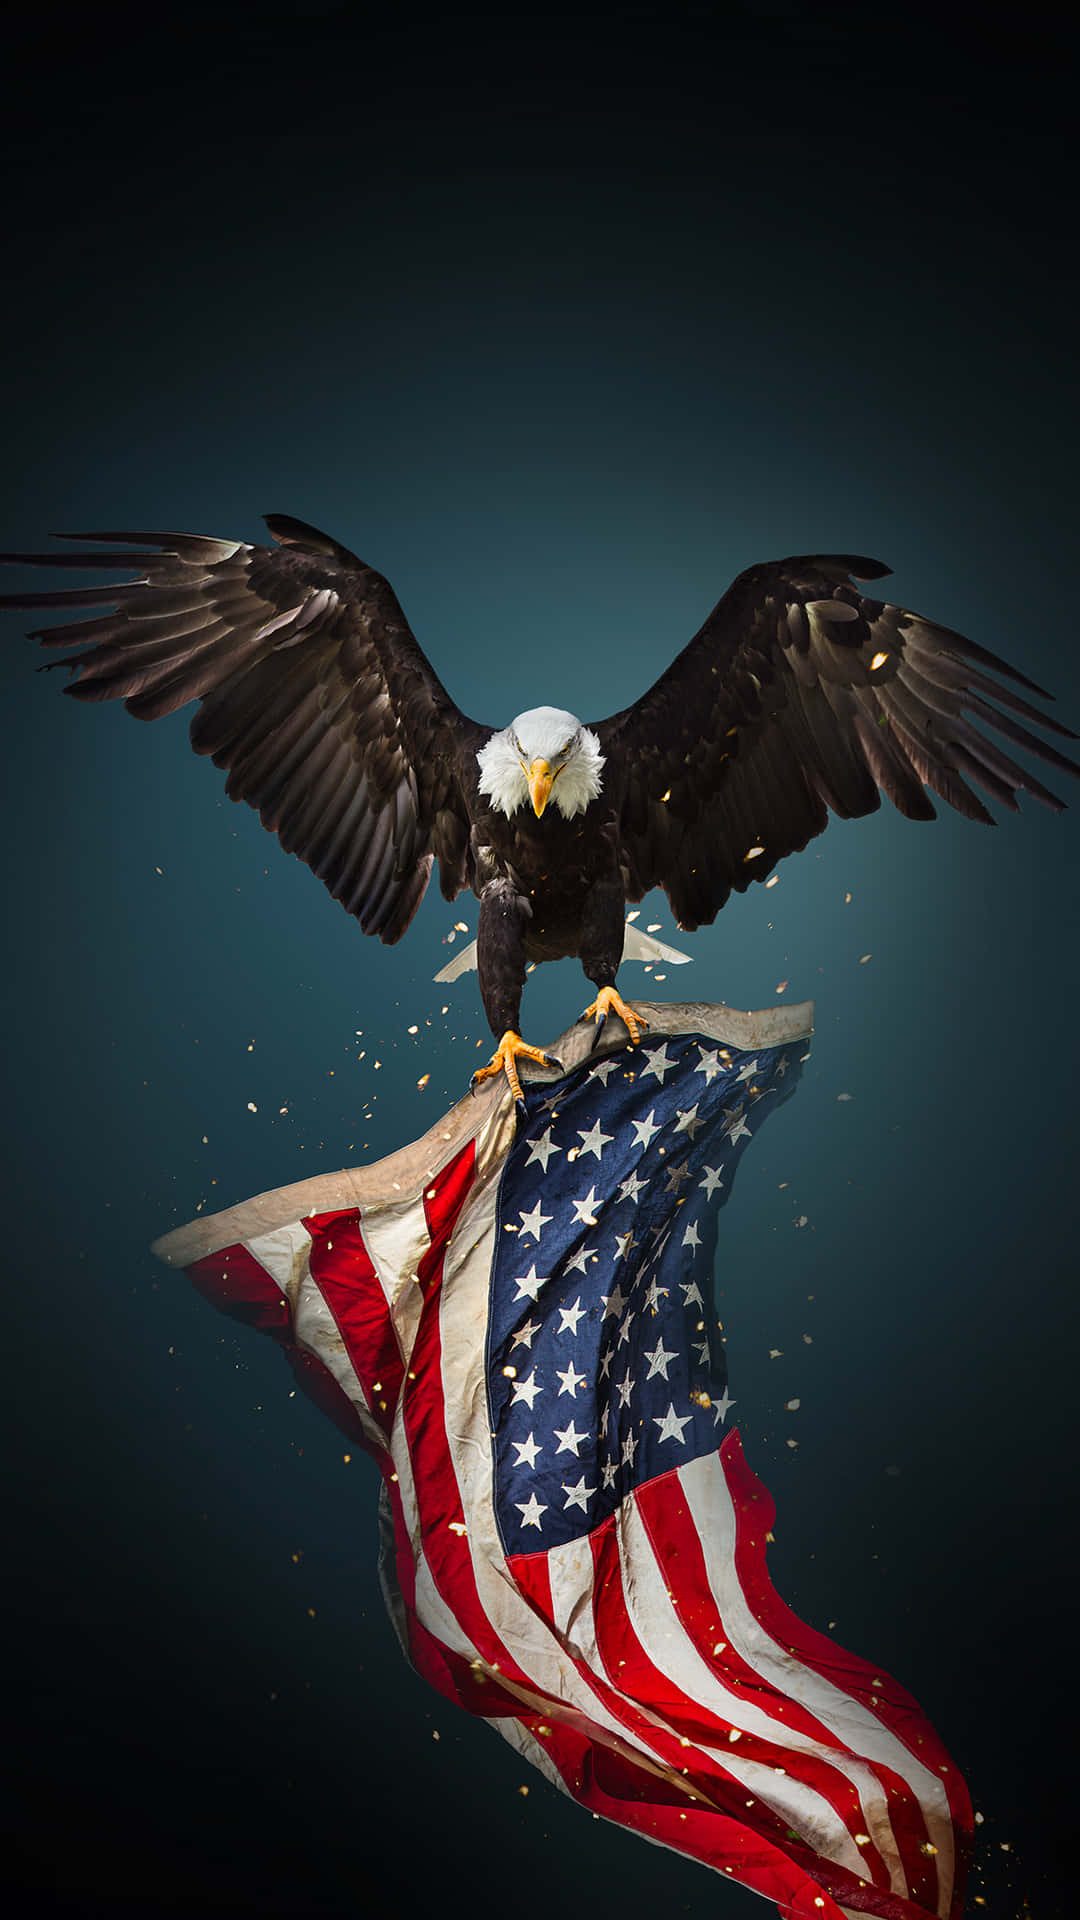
[798, 695]
[312, 690]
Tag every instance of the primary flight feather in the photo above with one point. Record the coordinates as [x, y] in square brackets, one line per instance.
[799, 695]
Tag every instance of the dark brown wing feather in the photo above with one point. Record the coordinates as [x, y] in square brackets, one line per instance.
[313, 694]
[798, 695]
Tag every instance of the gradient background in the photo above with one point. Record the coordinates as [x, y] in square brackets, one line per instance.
[560, 320]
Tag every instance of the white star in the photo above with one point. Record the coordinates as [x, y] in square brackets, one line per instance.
[629, 1448]
[624, 1330]
[658, 1360]
[570, 1317]
[527, 1335]
[677, 1177]
[672, 1424]
[605, 1415]
[534, 1222]
[747, 1072]
[625, 1242]
[529, 1284]
[542, 1149]
[631, 1187]
[702, 1351]
[586, 1209]
[579, 1258]
[526, 1390]
[711, 1181]
[658, 1063]
[602, 1069]
[527, 1451]
[594, 1141]
[710, 1065]
[690, 1237]
[611, 1473]
[571, 1381]
[688, 1121]
[624, 1388]
[530, 1511]
[645, 1129]
[690, 1292]
[720, 1407]
[578, 1496]
[781, 1066]
[570, 1439]
[605, 1362]
[652, 1297]
[615, 1301]
[736, 1128]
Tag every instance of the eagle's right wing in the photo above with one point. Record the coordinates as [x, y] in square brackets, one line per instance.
[313, 694]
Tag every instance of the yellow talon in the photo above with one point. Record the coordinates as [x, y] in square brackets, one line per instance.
[511, 1049]
[608, 1000]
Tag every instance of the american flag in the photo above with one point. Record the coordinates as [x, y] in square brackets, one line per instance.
[516, 1317]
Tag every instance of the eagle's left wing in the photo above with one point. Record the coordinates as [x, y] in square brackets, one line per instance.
[798, 695]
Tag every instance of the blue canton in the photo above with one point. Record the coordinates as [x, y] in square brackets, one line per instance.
[604, 1367]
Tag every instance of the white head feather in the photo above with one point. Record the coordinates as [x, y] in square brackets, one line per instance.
[544, 733]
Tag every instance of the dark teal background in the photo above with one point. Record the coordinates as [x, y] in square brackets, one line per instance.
[560, 318]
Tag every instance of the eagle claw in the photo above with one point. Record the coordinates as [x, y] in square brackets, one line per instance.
[510, 1049]
[608, 1000]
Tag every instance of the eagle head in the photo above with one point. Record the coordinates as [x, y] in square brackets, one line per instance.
[543, 754]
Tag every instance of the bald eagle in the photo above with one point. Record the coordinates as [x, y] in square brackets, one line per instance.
[798, 695]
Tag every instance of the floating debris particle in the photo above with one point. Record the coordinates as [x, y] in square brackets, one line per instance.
[772, 880]
[845, 1096]
[422, 1082]
[252, 1108]
[792, 1406]
[776, 1353]
[782, 987]
[864, 958]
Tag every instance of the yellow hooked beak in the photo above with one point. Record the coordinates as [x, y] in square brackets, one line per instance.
[540, 784]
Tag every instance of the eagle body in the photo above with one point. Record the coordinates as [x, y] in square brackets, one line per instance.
[800, 696]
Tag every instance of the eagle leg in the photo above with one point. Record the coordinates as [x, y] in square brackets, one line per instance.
[609, 1000]
[511, 1049]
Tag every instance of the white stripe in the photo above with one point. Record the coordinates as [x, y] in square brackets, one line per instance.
[315, 1329]
[397, 1238]
[284, 1254]
[658, 1627]
[711, 1509]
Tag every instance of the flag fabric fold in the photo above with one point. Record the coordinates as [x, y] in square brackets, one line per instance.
[516, 1318]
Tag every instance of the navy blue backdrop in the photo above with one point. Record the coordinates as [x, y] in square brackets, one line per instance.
[560, 320]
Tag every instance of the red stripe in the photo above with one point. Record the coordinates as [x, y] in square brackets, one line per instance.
[891, 1703]
[438, 1498]
[634, 1673]
[344, 1273]
[238, 1284]
[676, 1547]
[707, 1837]
[719, 1839]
